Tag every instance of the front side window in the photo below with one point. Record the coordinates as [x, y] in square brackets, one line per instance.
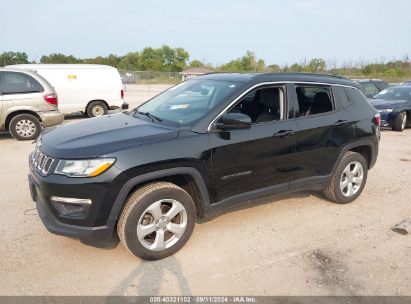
[262, 105]
[189, 101]
[19, 83]
[313, 99]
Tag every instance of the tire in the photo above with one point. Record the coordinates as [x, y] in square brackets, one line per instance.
[338, 190]
[156, 196]
[25, 127]
[96, 109]
[400, 122]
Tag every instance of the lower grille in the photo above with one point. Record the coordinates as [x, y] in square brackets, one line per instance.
[40, 162]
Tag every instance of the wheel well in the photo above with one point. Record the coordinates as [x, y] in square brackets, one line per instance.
[184, 181]
[365, 151]
[105, 102]
[13, 114]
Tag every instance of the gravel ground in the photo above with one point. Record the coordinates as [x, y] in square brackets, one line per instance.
[300, 244]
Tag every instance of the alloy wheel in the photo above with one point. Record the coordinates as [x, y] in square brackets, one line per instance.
[25, 128]
[162, 224]
[404, 121]
[351, 178]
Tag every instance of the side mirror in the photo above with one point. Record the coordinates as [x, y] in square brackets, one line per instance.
[233, 121]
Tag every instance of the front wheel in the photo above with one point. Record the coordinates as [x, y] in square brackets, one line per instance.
[348, 180]
[24, 127]
[400, 122]
[157, 220]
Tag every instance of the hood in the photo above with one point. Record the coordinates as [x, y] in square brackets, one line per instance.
[103, 135]
[387, 103]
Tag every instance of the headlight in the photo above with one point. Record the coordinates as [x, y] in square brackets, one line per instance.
[84, 167]
[385, 111]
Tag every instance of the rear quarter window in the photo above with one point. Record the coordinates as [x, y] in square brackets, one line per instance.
[340, 97]
[19, 83]
[354, 95]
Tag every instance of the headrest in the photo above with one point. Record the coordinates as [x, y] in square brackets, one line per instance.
[270, 98]
[321, 99]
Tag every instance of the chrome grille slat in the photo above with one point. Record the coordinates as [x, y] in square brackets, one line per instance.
[41, 162]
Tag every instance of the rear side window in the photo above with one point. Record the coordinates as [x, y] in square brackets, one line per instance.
[313, 99]
[19, 83]
[355, 95]
[370, 89]
[340, 97]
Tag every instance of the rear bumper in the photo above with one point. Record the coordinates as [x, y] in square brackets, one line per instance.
[51, 118]
[124, 106]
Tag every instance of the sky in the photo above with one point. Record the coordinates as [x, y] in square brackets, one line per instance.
[215, 31]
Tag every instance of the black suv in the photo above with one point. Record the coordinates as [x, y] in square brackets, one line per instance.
[198, 148]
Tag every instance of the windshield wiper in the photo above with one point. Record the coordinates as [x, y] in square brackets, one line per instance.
[148, 114]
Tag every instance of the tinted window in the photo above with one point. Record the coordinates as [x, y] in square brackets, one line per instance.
[313, 99]
[369, 88]
[265, 104]
[355, 95]
[340, 97]
[395, 93]
[19, 83]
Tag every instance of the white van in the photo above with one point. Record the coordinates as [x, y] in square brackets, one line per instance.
[90, 88]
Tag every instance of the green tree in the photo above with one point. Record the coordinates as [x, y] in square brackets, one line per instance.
[316, 65]
[247, 63]
[60, 58]
[131, 61]
[8, 58]
[196, 64]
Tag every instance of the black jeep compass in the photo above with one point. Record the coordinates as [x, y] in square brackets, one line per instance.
[203, 145]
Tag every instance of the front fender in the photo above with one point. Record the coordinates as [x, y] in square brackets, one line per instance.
[131, 183]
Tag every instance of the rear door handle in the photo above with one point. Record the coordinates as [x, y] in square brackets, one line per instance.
[341, 123]
[284, 133]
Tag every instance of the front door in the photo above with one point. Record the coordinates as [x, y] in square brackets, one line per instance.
[258, 160]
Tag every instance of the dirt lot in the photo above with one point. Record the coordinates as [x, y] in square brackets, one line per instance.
[297, 245]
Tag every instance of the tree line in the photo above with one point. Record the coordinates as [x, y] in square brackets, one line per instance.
[168, 59]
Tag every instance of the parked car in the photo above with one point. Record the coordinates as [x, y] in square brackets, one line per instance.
[89, 88]
[27, 102]
[198, 148]
[371, 87]
[394, 105]
[407, 83]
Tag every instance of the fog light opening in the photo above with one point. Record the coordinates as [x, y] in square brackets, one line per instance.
[71, 207]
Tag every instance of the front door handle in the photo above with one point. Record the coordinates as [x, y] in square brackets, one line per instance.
[284, 133]
[341, 123]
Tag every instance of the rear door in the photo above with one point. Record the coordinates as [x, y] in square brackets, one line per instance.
[323, 128]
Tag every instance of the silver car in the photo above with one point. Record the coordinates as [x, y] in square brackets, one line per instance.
[27, 103]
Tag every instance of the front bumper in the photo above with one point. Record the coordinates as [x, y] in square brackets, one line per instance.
[51, 118]
[57, 224]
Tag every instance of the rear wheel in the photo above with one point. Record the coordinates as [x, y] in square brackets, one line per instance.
[400, 122]
[24, 127]
[157, 221]
[96, 109]
[348, 180]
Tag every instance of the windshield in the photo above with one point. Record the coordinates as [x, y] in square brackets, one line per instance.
[395, 94]
[188, 101]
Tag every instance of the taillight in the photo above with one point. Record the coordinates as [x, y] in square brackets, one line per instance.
[378, 119]
[51, 99]
[122, 94]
